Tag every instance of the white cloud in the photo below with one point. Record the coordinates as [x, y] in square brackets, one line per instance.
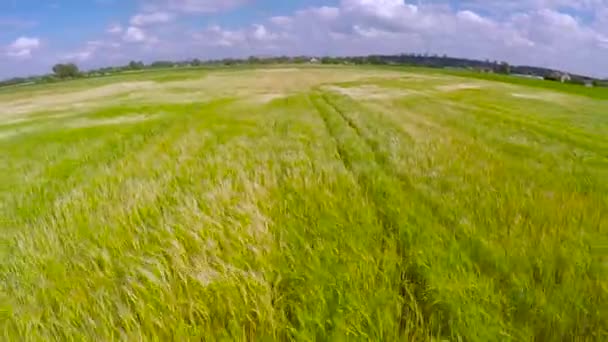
[387, 9]
[255, 38]
[79, 56]
[217, 36]
[472, 17]
[529, 5]
[23, 47]
[134, 35]
[324, 12]
[90, 49]
[144, 19]
[602, 41]
[538, 36]
[260, 33]
[570, 35]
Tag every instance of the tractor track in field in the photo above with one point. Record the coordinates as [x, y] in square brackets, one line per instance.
[384, 162]
[419, 303]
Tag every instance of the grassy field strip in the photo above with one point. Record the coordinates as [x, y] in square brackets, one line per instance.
[427, 223]
[65, 161]
[578, 110]
[30, 199]
[59, 210]
[537, 149]
[596, 93]
[204, 249]
[491, 141]
[129, 195]
[485, 257]
[83, 148]
[497, 145]
[578, 174]
[530, 117]
[568, 180]
[558, 131]
[204, 275]
[171, 87]
[344, 267]
[318, 273]
[322, 276]
[400, 214]
[576, 114]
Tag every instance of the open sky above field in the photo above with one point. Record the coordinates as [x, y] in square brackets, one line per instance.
[570, 35]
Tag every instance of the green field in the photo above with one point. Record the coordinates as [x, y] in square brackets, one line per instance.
[302, 204]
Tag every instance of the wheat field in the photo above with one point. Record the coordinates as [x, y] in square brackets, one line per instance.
[305, 203]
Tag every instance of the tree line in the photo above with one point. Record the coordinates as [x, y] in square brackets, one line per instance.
[71, 71]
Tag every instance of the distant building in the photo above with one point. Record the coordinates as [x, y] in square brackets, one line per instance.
[589, 83]
[558, 76]
[314, 60]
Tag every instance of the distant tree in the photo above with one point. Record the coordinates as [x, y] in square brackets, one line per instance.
[577, 81]
[12, 81]
[283, 59]
[376, 60]
[196, 62]
[600, 83]
[162, 64]
[48, 78]
[503, 68]
[133, 65]
[301, 59]
[69, 70]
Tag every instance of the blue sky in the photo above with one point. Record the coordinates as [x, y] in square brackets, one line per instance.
[34, 34]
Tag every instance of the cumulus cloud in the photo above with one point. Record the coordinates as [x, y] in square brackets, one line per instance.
[537, 33]
[324, 12]
[526, 5]
[134, 35]
[252, 40]
[570, 35]
[23, 47]
[215, 35]
[260, 33]
[90, 49]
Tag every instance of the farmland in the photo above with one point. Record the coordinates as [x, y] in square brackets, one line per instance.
[304, 203]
